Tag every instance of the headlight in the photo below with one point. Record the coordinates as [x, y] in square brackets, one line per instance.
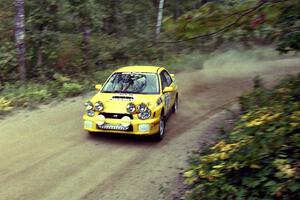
[88, 105]
[130, 108]
[100, 120]
[144, 111]
[90, 113]
[99, 106]
[144, 115]
[125, 121]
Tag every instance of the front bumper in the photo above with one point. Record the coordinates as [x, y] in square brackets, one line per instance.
[137, 126]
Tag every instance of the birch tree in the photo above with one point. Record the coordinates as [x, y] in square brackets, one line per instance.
[20, 37]
[159, 19]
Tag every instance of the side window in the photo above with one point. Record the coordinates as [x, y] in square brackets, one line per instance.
[168, 78]
[163, 81]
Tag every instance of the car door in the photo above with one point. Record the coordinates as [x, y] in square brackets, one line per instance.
[169, 97]
[172, 84]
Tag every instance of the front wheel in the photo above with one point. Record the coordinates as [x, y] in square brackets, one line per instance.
[161, 132]
[92, 133]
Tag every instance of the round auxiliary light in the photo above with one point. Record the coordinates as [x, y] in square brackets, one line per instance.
[100, 120]
[142, 108]
[99, 106]
[125, 121]
[130, 108]
[90, 113]
[88, 105]
[144, 115]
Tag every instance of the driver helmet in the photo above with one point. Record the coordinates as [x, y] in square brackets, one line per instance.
[126, 78]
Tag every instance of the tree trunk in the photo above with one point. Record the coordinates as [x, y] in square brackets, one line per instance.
[155, 3]
[159, 20]
[176, 10]
[85, 45]
[40, 59]
[110, 23]
[39, 56]
[39, 62]
[41, 29]
[20, 38]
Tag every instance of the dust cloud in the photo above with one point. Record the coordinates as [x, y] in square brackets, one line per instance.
[241, 63]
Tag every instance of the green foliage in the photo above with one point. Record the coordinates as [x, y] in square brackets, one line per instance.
[33, 94]
[42, 37]
[101, 76]
[259, 158]
[70, 89]
[118, 33]
[289, 23]
[25, 95]
[268, 21]
[8, 62]
[4, 105]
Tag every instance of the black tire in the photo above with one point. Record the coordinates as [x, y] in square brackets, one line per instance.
[92, 133]
[175, 106]
[161, 132]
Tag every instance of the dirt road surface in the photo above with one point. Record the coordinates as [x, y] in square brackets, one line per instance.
[45, 154]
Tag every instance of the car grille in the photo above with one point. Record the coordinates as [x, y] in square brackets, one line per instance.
[116, 115]
[116, 127]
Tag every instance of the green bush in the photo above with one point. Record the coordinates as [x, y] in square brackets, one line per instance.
[26, 95]
[69, 54]
[5, 105]
[70, 89]
[32, 94]
[101, 76]
[260, 157]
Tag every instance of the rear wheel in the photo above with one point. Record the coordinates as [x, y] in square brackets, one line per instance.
[161, 132]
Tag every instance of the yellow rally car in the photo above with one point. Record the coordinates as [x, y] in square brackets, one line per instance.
[134, 100]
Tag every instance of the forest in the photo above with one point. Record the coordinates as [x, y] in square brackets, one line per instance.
[75, 38]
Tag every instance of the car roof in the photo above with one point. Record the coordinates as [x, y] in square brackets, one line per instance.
[153, 69]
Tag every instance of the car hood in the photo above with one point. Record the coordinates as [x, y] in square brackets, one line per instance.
[116, 102]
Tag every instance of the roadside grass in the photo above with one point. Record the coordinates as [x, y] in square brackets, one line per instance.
[260, 157]
[32, 94]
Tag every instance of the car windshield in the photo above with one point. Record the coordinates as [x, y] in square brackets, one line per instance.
[138, 83]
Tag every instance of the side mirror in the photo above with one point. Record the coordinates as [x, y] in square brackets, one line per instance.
[98, 87]
[168, 89]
